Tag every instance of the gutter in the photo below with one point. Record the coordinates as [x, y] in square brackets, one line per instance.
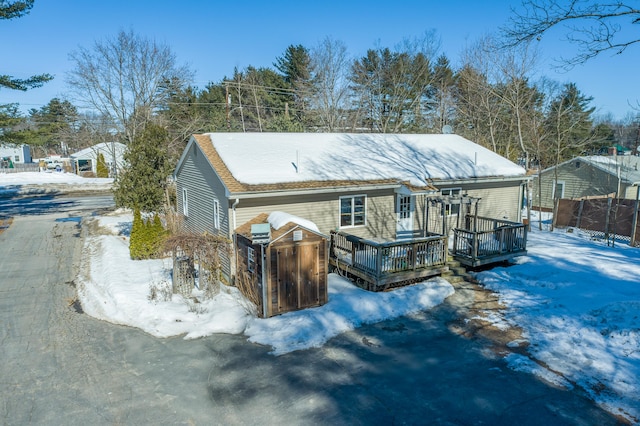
[331, 190]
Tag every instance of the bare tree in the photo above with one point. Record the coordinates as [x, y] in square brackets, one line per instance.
[328, 88]
[479, 105]
[127, 78]
[593, 26]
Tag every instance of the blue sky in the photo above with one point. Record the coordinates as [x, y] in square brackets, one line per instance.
[214, 37]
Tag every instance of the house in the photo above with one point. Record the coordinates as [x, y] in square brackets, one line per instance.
[15, 154]
[587, 176]
[86, 160]
[376, 187]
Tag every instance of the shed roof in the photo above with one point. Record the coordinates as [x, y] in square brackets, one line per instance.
[281, 161]
[245, 228]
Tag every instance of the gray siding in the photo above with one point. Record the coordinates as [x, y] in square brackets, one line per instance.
[580, 180]
[203, 186]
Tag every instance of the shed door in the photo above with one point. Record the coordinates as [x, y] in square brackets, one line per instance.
[299, 277]
[404, 225]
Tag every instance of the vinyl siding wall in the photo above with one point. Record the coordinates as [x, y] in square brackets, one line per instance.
[203, 186]
[499, 200]
[324, 211]
[580, 180]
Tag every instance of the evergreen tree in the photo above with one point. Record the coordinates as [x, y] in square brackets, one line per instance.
[11, 121]
[141, 185]
[102, 171]
[569, 123]
[17, 9]
[136, 237]
[51, 124]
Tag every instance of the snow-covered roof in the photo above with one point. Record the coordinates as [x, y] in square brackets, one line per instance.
[274, 158]
[278, 219]
[628, 166]
[106, 148]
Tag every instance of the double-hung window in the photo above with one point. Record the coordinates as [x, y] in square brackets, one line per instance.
[451, 209]
[353, 211]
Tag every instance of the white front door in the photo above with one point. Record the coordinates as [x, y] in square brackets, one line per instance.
[404, 223]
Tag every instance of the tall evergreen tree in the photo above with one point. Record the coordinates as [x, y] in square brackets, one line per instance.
[141, 185]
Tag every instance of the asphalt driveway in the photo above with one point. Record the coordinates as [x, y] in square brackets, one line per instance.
[60, 366]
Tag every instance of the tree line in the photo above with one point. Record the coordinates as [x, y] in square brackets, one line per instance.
[131, 89]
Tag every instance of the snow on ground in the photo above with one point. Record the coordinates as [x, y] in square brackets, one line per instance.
[578, 302]
[115, 288]
[43, 182]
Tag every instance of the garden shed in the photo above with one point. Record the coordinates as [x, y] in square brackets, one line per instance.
[284, 263]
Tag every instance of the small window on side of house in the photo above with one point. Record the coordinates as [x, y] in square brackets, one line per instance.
[216, 214]
[251, 259]
[185, 202]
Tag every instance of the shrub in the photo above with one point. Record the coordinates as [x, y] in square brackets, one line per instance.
[147, 237]
[102, 171]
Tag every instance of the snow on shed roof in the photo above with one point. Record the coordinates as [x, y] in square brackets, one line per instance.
[268, 158]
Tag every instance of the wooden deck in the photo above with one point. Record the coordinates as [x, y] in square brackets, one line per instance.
[485, 241]
[378, 266]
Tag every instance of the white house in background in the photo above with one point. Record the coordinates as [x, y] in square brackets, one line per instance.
[374, 186]
[18, 154]
[86, 160]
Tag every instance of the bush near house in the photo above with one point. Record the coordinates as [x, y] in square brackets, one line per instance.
[147, 237]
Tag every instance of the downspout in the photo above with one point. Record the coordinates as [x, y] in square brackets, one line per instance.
[233, 233]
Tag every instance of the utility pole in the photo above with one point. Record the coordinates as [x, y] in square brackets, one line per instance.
[227, 101]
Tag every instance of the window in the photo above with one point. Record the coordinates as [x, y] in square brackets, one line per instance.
[558, 189]
[353, 211]
[17, 158]
[185, 202]
[216, 214]
[451, 209]
[251, 259]
[405, 207]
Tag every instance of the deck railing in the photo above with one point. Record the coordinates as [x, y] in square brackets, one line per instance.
[487, 240]
[378, 260]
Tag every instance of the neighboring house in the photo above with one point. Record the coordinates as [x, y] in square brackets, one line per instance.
[17, 154]
[587, 176]
[375, 186]
[86, 160]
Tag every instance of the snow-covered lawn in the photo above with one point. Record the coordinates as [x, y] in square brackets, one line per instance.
[114, 288]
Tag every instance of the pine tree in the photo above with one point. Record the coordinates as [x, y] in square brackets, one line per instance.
[17, 9]
[141, 185]
[102, 171]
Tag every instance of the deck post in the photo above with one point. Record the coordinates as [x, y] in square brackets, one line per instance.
[475, 245]
[378, 261]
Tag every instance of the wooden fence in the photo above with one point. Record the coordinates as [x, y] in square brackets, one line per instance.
[608, 218]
